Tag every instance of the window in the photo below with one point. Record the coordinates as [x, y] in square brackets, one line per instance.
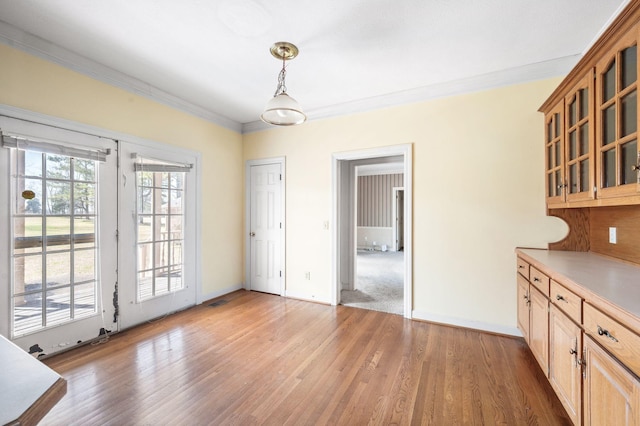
[160, 237]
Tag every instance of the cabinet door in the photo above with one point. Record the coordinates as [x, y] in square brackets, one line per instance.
[565, 368]
[523, 307]
[539, 328]
[554, 155]
[617, 119]
[611, 393]
[579, 141]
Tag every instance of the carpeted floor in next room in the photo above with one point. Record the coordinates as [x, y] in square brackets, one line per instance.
[379, 284]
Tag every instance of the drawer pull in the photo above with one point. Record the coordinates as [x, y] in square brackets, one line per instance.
[560, 297]
[521, 266]
[603, 332]
[536, 279]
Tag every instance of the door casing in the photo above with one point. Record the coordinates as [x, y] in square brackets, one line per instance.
[343, 216]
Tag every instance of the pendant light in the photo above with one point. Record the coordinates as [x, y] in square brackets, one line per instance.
[282, 109]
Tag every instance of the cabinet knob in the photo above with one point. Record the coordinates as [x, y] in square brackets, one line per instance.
[560, 297]
[635, 167]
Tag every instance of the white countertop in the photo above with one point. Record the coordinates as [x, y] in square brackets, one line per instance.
[24, 380]
[612, 280]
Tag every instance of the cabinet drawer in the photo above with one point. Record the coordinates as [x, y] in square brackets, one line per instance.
[619, 340]
[569, 302]
[539, 280]
[523, 268]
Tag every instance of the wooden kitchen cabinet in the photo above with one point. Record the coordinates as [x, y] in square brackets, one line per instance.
[611, 392]
[523, 307]
[592, 155]
[539, 328]
[565, 362]
[584, 331]
[579, 141]
[554, 154]
[617, 118]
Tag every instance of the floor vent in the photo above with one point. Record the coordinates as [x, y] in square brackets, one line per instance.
[218, 303]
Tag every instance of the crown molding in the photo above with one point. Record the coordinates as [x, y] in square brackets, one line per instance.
[19, 39]
[34, 45]
[531, 72]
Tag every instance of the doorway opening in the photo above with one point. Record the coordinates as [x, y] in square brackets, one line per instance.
[372, 259]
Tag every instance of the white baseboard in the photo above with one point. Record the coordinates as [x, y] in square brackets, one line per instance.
[306, 297]
[218, 293]
[459, 322]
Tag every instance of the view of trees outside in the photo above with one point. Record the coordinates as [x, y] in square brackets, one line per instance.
[54, 228]
[160, 237]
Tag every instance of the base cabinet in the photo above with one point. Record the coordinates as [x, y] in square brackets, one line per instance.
[611, 393]
[539, 328]
[565, 362]
[523, 307]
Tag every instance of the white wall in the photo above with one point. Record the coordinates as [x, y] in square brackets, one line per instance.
[368, 236]
[478, 193]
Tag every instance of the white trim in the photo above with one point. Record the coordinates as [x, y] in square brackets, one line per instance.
[306, 298]
[394, 217]
[406, 150]
[531, 72]
[460, 322]
[19, 39]
[34, 45]
[247, 219]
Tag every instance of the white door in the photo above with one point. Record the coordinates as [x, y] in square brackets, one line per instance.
[157, 243]
[265, 228]
[59, 254]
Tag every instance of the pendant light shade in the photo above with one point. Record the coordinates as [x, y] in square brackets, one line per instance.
[282, 109]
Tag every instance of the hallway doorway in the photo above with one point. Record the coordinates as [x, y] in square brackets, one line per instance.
[378, 241]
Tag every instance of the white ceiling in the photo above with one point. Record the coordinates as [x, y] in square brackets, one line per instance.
[211, 57]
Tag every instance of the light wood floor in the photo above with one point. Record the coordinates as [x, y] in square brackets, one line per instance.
[262, 359]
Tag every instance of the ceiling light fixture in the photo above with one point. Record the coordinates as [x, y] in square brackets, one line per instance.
[282, 109]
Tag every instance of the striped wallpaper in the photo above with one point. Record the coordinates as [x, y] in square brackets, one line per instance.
[375, 199]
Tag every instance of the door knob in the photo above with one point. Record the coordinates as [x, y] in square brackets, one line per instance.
[252, 234]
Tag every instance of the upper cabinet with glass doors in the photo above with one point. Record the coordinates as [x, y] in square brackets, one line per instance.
[569, 146]
[617, 100]
[592, 157]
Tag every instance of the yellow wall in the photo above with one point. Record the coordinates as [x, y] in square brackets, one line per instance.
[37, 85]
[478, 193]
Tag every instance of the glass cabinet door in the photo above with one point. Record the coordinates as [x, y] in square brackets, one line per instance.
[617, 120]
[554, 155]
[579, 137]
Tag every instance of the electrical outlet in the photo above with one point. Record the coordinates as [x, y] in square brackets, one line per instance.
[307, 275]
[613, 235]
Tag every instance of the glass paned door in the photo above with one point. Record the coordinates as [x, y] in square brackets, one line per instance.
[159, 276]
[554, 151]
[55, 278]
[579, 157]
[618, 155]
[61, 236]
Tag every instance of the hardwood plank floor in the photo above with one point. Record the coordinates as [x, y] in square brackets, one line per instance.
[262, 359]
